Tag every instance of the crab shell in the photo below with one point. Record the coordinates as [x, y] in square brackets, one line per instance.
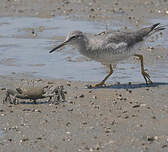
[31, 93]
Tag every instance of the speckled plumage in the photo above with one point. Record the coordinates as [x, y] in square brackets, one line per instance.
[110, 47]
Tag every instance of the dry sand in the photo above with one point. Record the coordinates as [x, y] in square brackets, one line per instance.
[117, 118]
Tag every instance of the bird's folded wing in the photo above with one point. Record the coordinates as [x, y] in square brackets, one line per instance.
[116, 46]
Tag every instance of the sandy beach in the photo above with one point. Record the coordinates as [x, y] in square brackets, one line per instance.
[121, 117]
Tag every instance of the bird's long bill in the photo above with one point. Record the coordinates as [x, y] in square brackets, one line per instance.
[59, 46]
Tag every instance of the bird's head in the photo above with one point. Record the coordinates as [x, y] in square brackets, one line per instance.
[73, 38]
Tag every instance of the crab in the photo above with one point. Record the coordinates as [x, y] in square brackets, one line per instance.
[55, 94]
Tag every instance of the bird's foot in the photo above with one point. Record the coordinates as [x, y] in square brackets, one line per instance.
[146, 77]
[101, 84]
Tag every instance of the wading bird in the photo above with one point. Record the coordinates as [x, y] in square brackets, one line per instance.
[111, 47]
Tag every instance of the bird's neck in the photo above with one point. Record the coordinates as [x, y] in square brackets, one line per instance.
[83, 45]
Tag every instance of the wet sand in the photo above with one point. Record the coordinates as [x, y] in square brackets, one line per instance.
[123, 117]
[137, 11]
[118, 118]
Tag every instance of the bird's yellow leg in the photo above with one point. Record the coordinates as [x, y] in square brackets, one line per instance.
[103, 81]
[145, 74]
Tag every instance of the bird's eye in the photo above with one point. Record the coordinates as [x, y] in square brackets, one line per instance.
[75, 37]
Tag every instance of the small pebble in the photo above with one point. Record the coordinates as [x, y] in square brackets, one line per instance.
[143, 105]
[26, 109]
[50, 82]
[94, 97]
[70, 109]
[90, 91]
[10, 139]
[153, 117]
[20, 11]
[68, 132]
[84, 123]
[130, 91]
[36, 110]
[81, 96]
[92, 9]
[23, 140]
[68, 83]
[39, 138]
[75, 97]
[68, 124]
[136, 106]
[126, 117]
[152, 138]
[164, 146]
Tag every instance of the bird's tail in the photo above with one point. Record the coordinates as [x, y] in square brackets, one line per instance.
[155, 28]
[148, 31]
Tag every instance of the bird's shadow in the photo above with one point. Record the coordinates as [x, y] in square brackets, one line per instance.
[133, 86]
